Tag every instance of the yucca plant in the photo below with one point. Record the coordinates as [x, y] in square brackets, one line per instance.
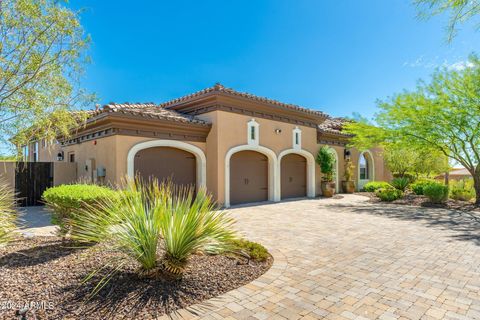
[193, 225]
[153, 216]
[8, 215]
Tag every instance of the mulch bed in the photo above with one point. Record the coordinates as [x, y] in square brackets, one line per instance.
[411, 199]
[48, 274]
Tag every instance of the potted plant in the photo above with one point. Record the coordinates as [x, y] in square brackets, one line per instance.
[326, 161]
[348, 185]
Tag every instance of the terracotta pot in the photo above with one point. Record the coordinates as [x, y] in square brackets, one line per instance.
[328, 189]
[348, 186]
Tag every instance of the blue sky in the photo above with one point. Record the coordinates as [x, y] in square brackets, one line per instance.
[335, 56]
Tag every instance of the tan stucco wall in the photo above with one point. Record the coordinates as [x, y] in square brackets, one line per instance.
[64, 173]
[7, 172]
[111, 153]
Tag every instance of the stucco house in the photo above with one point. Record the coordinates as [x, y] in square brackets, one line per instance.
[242, 147]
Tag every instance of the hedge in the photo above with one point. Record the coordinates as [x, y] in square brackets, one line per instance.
[65, 199]
[375, 185]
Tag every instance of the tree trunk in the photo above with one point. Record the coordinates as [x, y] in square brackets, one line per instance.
[476, 185]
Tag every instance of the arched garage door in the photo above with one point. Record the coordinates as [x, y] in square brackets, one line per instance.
[293, 176]
[248, 177]
[166, 163]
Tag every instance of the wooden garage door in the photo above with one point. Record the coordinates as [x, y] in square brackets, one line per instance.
[293, 176]
[166, 163]
[248, 177]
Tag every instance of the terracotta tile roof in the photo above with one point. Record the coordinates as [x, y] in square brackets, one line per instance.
[145, 110]
[333, 126]
[221, 89]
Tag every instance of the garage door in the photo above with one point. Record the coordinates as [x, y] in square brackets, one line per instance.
[293, 176]
[166, 163]
[248, 177]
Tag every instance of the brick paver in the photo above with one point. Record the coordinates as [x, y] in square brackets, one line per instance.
[348, 259]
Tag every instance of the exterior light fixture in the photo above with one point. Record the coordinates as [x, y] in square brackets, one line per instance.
[278, 131]
[346, 154]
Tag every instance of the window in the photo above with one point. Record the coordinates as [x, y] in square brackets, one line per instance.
[363, 165]
[253, 132]
[35, 152]
[71, 157]
[297, 138]
[25, 152]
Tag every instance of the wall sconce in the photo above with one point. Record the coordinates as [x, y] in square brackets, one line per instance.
[278, 131]
[346, 154]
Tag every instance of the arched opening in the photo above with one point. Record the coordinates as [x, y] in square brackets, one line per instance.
[336, 178]
[365, 169]
[198, 158]
[267, 157]
[166, 164]
[248, 177]
[293, 176]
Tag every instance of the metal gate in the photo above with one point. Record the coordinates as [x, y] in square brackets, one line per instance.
[31, 180]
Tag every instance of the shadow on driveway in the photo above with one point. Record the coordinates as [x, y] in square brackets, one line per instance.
[465, 225]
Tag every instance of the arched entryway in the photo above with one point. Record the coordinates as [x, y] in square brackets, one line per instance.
[166, 164]
[248, 177]
[366, 169]
[181, 161]
[293, 176]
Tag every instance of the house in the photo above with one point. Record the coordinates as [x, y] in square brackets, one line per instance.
[242, 147]
[456, 174]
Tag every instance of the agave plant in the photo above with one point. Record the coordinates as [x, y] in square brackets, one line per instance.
[7, 213]
[152, 216]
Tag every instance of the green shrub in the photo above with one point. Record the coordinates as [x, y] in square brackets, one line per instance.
[417, 186]
[389, 194]
[436, 192]
[375, 185]
[64, 200]
[400, 183]
[8, 215]
[326, 160]
[462, 190]
[254, 250]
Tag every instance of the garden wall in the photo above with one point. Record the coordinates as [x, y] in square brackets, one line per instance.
[7, 172]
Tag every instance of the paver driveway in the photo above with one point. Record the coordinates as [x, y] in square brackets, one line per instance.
[348, 259]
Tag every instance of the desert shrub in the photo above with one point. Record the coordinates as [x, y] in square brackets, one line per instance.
[64, 200]
[154, 216]
[462, 190]
[375, 185]
[8, 215]
[388, 194]
[411, 178]
[436, 192]
[417, 186]
[254, 250]
[400, 183]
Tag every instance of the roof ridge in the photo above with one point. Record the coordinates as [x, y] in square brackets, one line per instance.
[218, 87]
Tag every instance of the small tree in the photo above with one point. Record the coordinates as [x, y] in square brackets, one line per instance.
[349, 167]
[443, 114]
[42, 51]
[326, 161]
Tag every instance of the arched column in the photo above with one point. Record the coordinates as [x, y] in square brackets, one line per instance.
[310, 169]
[201, 160]
[273, 194]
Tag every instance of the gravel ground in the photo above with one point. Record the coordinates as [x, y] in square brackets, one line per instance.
[48, 275]
[412, 199]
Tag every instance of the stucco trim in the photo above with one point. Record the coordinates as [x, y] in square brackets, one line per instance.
[310, 170]
[273, 177]
[196, 151]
